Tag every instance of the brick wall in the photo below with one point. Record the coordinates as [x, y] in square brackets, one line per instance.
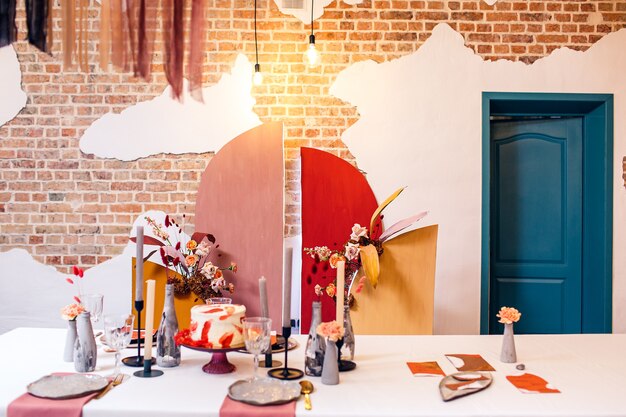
[68, 208]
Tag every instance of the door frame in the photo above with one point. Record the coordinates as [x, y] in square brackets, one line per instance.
[597, 244]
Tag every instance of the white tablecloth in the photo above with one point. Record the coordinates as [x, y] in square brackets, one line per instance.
[590, 371]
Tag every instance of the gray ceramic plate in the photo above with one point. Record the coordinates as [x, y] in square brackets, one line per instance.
[66, 386]
[463, 383]
[264, 391]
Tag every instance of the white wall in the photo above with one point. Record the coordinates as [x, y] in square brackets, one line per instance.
[420, 125]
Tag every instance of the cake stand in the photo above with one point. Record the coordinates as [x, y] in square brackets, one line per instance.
[219, 362]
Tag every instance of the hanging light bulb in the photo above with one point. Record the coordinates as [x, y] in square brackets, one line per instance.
[312, 55]
[257, 78]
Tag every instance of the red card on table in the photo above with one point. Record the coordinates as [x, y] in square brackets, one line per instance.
[532, 384]
[469, 363]
[425, 368]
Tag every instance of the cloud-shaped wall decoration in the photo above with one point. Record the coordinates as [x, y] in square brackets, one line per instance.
[12, 98]
[164, 125]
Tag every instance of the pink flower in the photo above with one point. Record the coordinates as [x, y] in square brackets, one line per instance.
[360, 285]
[509, 315]
[331, 330]
[71, 311]
[203, 249]
[318, 290]
[352, 251]
[358, 232]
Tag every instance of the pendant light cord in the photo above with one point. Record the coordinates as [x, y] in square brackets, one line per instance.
[256, 46]
[312, 7]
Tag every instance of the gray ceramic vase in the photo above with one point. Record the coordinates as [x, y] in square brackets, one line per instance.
[70, 340]
[508, 354]
[85, 349]
[330, 370]
[168, 352]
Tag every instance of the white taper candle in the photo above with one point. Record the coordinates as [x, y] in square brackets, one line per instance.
[147, 352]
[287, 257]
[341, 279]
[265, 312]
[139, 265]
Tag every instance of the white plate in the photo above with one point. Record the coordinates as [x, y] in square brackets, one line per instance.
[66, 386]
[264, 391]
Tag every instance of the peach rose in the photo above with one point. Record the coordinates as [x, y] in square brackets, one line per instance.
[509, 315]
[191, 260]
[192, 244]
[331, 290]
[334, 258]
[71, 311]
[331, 330]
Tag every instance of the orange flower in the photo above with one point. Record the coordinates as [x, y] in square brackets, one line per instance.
[218, 274]
[331, 290]
[334, 258]
[71, 311]
[331, 330]
[192, 244]
[509, 315]
[191, 260]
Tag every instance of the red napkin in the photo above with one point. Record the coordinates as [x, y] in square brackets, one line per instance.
[28, 405]
[232, 408]
[425, 368]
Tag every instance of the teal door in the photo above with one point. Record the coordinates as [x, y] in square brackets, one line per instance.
[536, 223]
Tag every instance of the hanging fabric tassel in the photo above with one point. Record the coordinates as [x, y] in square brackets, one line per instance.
[132, 12]
[50, 37]
[196, 50]
[83, 51]
[105, 34]
[68, 33]
[118, 40]
[174, 43]
[8, 30]
[37, 23]
[146, 28]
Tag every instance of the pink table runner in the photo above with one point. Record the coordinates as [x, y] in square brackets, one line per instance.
[232, 408]
[28, 405]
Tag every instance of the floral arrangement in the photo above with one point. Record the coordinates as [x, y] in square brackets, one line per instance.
[361, 251]
[71, 311]
[189, 259]
[508, 315]
[350, 254]
[331, 330]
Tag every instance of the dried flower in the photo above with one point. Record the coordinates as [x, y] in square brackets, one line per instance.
[509, 315]
[331, 330]
[71, 311]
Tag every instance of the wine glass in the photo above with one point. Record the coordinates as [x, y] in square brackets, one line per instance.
[256, 334]
[93, 304]
[118, 329]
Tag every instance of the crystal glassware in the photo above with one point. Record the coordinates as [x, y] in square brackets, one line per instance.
[118, 329]
[257, 335]
[93, 304]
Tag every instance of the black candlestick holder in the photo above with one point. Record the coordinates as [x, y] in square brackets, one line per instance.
[344, 366]
[269, 361]
[137, 361]
[147, 371]
[286, 373]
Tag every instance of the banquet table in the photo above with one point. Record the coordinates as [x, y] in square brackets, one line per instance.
[589, 370]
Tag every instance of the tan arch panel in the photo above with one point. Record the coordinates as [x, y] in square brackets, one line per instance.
[403, 302]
